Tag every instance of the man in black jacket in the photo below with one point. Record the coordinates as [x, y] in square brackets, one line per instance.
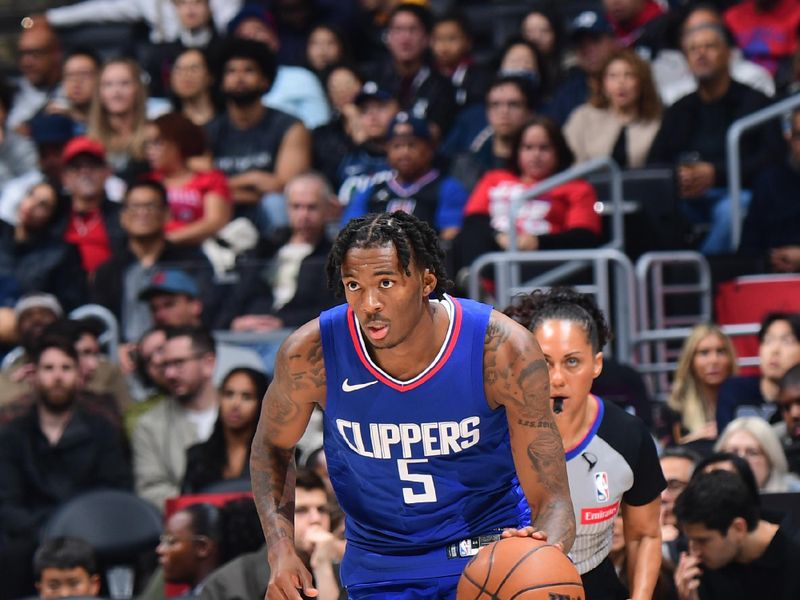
[53, 453]
[119, 281]
[693, 133]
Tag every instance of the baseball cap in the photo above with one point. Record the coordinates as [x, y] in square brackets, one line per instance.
[252, 11]
[371, 91]
[590, 22]
[170, 281]
[51, 129]
[38, 300]
[83, 145]
[404, 123]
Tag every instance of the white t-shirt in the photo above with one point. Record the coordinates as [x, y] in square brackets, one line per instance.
[203, 420]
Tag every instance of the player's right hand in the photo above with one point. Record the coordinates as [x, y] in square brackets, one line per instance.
[288, 577]
[687, 577]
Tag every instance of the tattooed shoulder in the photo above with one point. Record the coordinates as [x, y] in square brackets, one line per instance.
[514, 370]
[300, 365]
[497, 332]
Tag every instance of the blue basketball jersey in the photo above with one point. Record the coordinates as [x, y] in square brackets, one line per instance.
[415, 464]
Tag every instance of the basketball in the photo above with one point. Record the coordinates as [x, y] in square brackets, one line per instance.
[520, 568]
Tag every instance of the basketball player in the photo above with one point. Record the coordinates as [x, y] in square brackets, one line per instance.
[438, 427]
[611, 458]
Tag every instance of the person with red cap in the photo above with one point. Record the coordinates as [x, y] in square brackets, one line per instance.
[92, 221]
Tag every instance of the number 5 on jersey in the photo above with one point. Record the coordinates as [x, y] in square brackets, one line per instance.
[409, 495]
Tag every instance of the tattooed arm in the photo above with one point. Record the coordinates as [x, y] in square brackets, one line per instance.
[298, 384]
[515, 376]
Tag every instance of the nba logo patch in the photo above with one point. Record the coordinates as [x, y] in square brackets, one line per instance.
[601, 486]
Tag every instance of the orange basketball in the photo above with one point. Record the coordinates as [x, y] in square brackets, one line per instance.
[521, 568]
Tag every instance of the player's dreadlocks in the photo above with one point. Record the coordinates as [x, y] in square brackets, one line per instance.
[531, 310]
[413, 240]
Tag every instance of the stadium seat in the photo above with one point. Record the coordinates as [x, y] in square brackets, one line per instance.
[119, 525]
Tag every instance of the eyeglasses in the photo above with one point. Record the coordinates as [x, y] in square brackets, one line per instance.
[179, 363]
[171, 540]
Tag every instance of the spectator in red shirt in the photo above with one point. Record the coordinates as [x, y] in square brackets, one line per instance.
[200, 202]
[766, 31]
[92, 222]
[561, 218]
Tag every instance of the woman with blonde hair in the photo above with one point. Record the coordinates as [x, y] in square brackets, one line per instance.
[753, 439]
[117, 116]
[622, 116]
[707, 359]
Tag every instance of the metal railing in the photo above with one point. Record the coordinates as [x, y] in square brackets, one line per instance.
[624, 309]
[617, 241]
[657, 373]
[578, 171]
[652, 294]
[734, 161]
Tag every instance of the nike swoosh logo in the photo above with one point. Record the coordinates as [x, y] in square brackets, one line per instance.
[346, 387]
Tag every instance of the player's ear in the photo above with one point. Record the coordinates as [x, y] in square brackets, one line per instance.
[429, 281]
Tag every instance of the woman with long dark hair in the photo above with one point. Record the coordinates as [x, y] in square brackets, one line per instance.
[226, 454]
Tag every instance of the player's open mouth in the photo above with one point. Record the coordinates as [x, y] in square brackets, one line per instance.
[377, 331]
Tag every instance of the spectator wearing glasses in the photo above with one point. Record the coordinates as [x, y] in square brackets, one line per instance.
[163, 434]
[80, 75]
[190, 548]
[754, 440]
[39, 62]
[509, 105]
[120, 280]
[788, 431]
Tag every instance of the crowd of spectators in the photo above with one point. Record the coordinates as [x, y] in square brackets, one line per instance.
[193, 182]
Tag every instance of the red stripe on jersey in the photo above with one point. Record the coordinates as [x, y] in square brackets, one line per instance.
[432, 370]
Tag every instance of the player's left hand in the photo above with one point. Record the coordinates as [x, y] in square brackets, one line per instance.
[528, 531]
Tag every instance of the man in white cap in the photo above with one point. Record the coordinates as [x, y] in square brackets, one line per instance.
[34, 312]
